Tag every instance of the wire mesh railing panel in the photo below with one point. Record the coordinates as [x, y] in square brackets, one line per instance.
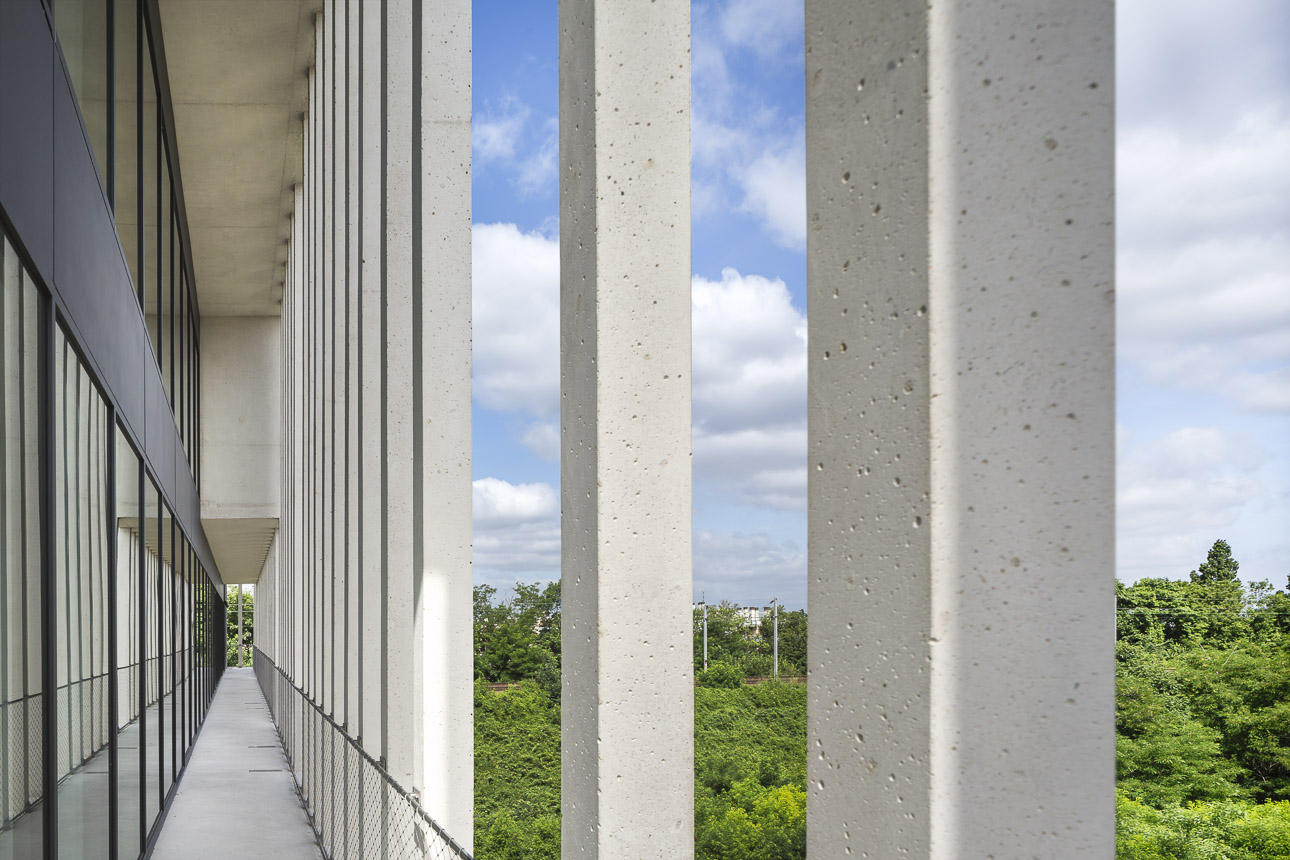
[356, 810]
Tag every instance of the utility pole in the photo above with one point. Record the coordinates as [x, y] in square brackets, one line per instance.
[774, 606]
[239, 625]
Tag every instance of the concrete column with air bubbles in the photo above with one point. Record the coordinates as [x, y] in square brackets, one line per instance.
[628, 697]
[960, 182]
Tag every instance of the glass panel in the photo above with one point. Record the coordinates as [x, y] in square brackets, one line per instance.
[165, 285]
[166, 648]
[21, 834]
[126, 180]
[80, 567]
[151, 660]
[129, 588]
[151, 204]
[82, 34]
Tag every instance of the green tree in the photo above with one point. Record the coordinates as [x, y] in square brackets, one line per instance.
[792, 641]
[248, 625]
[519, 639]
[1163, 756]
[1219, 566]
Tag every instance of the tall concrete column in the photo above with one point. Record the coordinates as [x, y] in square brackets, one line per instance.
[370, 355]
[628, 697]
[401, 712]
[960, 258]
[441, 197]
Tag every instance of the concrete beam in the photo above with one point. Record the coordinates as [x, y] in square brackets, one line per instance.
[628, 697]
[961, 272]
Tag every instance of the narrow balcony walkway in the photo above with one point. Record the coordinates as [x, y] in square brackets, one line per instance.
[237, 800]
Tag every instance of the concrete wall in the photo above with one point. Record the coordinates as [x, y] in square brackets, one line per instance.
[241, 416]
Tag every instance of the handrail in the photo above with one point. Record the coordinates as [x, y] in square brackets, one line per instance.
[443, 841]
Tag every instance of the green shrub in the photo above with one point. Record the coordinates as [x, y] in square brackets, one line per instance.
[720, 675]
[1202, 831]
[751, 821]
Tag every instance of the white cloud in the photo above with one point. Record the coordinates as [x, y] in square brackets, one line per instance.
[499, 503]
[748, 353]
[1204, 261]
[516, 313]
[537, 171]
[747, 157]
[1176, 494]
[1196, 64]
[747, 568]
[774, 188]
[767, 27]
[749, 358]
[543, 439]
[517, 531]
[504, 137]
[495, 136]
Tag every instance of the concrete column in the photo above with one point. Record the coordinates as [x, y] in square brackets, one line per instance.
[371, 482]
[402, 707]
[353, 379]
[441, 192]
[627, 736]
[291, 490]
[960, 258]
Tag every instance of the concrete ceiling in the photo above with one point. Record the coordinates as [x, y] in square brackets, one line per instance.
[238, 81]
[240, 547]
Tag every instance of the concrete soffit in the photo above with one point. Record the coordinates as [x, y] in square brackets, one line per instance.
[238, 82]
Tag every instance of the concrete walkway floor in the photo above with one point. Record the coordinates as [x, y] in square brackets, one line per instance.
[237, 800]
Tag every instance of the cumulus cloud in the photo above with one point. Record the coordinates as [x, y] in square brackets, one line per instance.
[749, 358]
[1177, 493]
[748, 354]
[517, 531]
[748, 156]
[516, 313]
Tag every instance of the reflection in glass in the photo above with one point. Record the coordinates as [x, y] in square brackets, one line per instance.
[151, 265]
[151, 659]
[125, 23]
[80, 570]
[21, 702]
[165, 247]
[83, 37]
[165, 648]
[129, 553]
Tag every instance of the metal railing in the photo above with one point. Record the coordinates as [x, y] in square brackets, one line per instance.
[355, 808]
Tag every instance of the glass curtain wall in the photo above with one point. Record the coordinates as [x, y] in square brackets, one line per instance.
[122, 108]
[81, 594]
[132, 612]
[21, 654]
[129, 634]
[83, 34]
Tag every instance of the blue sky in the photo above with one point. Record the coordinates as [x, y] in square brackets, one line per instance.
[1203, 211]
